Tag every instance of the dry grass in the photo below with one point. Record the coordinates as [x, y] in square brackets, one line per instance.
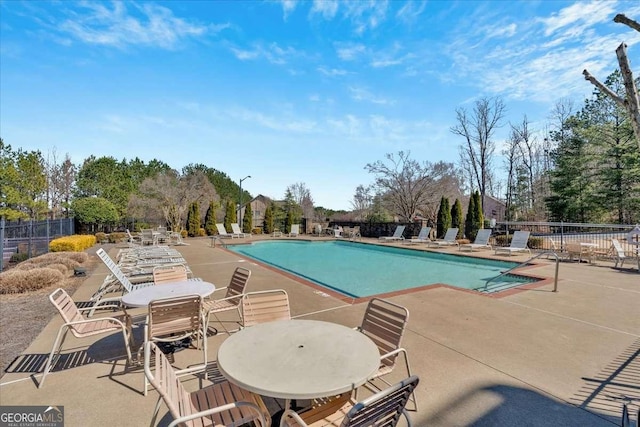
[41, 272]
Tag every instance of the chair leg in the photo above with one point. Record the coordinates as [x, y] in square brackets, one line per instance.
[155, 411]
[57, 346]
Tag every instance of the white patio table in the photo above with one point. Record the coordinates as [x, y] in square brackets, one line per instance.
[142, 297]
[298, 359]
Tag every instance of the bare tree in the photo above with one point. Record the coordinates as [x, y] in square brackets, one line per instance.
[362, 201]
[477, 128]
[406, 185]
[62, 178]
[632, 101]
[302, 196]
[172, 194]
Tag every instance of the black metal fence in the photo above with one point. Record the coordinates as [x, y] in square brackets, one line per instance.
[31, 237]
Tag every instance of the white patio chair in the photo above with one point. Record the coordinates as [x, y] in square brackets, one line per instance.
[519, 243]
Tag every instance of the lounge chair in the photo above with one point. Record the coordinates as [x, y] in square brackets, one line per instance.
[222, 232]
[384, 323]
[219, 404]
[295, 230]
[236, 230]
[518, 243]
[423, 236]
[481, 241]
[82, 327]
[382, 409]
[397, 234]
[448, 240]
[265, 306]
[618, 252]
[232, 299]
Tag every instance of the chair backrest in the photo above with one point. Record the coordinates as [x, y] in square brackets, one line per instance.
[399, 231]
[166, 382]
[265, 306]
[520, 239]
[236, 228]
[424, 233]
[384, 322]
[618, 248]
[383, 408]
[450, 235]
[295, 228]
[169, 273]
[221, 230]
[171, 319]
[482, 238]
[67, 308]
[115, 270]
[238, 283]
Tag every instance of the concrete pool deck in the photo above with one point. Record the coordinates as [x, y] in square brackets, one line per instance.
[534, 357]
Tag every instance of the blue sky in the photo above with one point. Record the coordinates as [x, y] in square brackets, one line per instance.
[290, 91]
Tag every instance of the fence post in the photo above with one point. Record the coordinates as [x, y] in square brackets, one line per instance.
[2, 243]
[48, 235]
[30, 240]
[561, 235]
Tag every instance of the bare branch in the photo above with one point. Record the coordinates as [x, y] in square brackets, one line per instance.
[632, 102]
[604, 89]
[622, 19]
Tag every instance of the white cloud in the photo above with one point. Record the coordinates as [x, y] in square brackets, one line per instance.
[288, 6]
[326, 8]
[350, 51]
[411, 11]
[333, 72]
[579, 16]
[146, 24]
[362, 94]
[272, 53]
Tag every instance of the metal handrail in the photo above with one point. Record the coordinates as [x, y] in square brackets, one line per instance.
[213, 241]
[555, 282]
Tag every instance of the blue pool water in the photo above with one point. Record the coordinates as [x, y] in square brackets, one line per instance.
[361, 270]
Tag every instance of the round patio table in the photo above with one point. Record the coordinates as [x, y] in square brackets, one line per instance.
[142, 297]
[298, 359]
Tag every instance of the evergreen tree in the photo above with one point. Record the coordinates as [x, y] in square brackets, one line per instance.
[210, 219]
[444, 217]
[230, 215]
[468, 220]
[457, 219]
[289, 222]
[193, 220]
[477, 219]
[267, 224]
[247, 219]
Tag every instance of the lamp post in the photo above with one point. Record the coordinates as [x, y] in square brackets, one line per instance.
[240, 201]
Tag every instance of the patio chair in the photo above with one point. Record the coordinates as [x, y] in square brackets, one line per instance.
[219, 404]
[481, 241]
[518, 243]
[174, 319]
[382, 409]
[133, 240]
[82, 327]
[148, 237]
[265, 306]
[397, 234]
[236, 230]
[618, 252]
[448, 240]
[384, 323]
[168, 274]
[232, 299]
[222, 232]
[295, 230]
[354, 233]
[577, 250]
[423, 236]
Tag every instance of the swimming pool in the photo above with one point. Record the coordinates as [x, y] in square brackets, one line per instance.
[362, 270]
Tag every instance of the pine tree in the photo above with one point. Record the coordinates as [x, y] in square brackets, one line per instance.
[444, 217]
[289, 222]
[267, 224]
[193, 220]
[468, 220]
[230, 215]
[210, 219]
[477, 218]
[247, 219]
[457, 219]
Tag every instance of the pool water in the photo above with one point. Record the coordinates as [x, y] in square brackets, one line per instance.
[361, 270]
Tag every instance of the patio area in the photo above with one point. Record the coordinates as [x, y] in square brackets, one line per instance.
[534, 357]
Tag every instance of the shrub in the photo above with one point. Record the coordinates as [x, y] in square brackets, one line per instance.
[18, 281]
[100, 236]
[444, 217]
[184, 233]
[64, 261]
[117, 237]
[202, 232]
[19, 257]
[463, 241]
[75, 243]
[257, 230]
[535, 242]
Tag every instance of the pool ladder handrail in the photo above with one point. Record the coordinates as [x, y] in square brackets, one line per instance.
[504, 273]
[219, 239]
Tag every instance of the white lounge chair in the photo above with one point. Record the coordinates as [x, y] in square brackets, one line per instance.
[481, 241]
[518, 243]
[618, 252]
[222, 232]
[295, 230]
[448, 240]
[397, 234]
[423, 236]
[236, 230]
